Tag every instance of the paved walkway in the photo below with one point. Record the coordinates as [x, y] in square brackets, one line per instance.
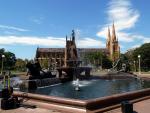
[28, 110]
[143, 74]
[139, 107]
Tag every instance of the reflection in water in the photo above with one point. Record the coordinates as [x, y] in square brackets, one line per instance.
[89, 88]
[92, 89]
[146, 84]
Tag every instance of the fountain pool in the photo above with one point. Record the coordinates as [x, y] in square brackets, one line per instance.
[90, 89]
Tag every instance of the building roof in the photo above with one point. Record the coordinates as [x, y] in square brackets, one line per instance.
[91, 49]
[47, 50]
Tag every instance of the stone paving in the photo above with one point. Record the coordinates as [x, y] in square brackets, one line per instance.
[139, 107]
[28, 110]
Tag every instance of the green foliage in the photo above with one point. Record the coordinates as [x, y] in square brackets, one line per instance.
[144, 52]
[45, 64]
[20, 64]
[9, 59]
[124, 60]
[98, 59]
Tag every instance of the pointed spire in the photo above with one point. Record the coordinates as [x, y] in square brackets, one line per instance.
[109, 36]
[108, 40]
[113, 32]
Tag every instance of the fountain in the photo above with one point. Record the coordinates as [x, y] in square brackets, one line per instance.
[73, 84]
[69, 96]
[77, 87]
[72, 62]
[39, 78]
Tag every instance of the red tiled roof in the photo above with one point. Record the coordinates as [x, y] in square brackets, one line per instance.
[47, 50]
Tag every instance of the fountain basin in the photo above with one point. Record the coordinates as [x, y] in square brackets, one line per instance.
[95, 94]
[91, 89]
[83, 106]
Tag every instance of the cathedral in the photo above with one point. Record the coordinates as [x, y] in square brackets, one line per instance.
[112, 44]
[56, 57]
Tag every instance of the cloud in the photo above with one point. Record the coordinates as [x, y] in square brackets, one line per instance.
[38, 20]
[47, 41]
[12, 28]
[89, 42]
[146, 40]
[136, 46]
[124, 17]
[122, 13]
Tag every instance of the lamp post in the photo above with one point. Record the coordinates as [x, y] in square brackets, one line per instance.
[3, 56]
[139, 57]
[101, 62]
[134, 66]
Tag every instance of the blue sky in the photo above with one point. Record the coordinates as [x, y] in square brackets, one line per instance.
[28, 24]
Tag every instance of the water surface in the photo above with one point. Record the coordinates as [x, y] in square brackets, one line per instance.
[93, 88]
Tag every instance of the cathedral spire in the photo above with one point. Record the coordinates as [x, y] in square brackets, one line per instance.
[113, 33]
[108, 37]
[108, 42]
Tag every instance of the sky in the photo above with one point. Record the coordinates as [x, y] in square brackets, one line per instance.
[28, 24]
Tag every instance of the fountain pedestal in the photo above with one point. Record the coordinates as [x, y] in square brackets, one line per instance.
[72, 61]
[73, 71]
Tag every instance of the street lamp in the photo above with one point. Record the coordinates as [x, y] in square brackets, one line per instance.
[134, 66]
[3, 56]
[101, 62]
[139, 57]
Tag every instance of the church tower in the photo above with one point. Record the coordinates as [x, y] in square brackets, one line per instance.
[112, 44]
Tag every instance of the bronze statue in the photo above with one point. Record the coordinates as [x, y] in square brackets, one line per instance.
[36, 72]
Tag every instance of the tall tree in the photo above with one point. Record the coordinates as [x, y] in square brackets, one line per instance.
[98, 59]
[20, 64]
[7, 59]
[144, 52]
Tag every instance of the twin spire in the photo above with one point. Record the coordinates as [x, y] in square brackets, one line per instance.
[113, 37]
[112, 44]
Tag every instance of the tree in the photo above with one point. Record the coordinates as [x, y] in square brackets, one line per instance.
[132, 56]
[124, 60]
[20, 64]
[9, 59]
[98, 59]
[144, 51]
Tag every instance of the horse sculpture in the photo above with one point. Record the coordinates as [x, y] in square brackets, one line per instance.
[36, 72]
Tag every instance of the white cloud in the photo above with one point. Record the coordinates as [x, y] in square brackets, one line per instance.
[146, 40]
[38, 20]
[136, 46]
[122, 13]
[89, 42]
[12, 28]
[47, 41]
[124, 17]
[143, 38]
